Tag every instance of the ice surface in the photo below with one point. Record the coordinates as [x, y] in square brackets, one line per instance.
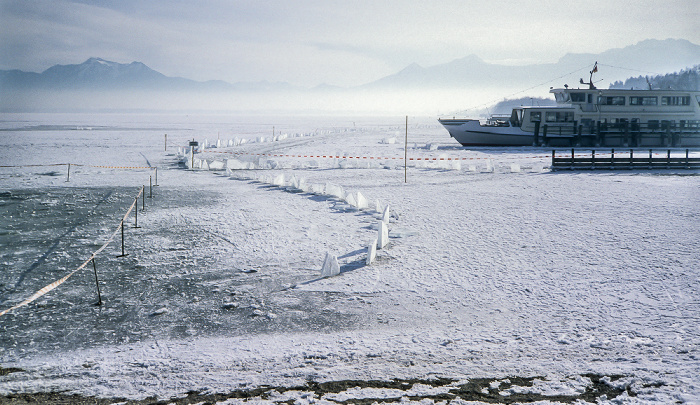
[490, 272]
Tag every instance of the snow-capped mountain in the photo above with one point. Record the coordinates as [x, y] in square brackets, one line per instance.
[101, 74]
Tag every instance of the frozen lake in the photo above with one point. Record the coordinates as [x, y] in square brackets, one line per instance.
[496, 267]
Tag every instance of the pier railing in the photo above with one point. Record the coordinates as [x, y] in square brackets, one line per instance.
[624, 160]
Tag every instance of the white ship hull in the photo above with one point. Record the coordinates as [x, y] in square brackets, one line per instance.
[470, 132]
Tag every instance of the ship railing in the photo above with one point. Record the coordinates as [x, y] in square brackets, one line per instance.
[662, 133]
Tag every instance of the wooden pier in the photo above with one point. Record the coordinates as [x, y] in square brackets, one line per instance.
[624, 160]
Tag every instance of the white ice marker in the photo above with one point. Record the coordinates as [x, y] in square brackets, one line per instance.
[382, 235]
[330, 266]
[371, 252]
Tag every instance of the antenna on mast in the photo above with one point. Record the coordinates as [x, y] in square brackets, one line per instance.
[590, 80]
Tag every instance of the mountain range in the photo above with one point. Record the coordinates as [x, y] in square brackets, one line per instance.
[101, 74]
[650, 56]
[653, 56]
[101, 84]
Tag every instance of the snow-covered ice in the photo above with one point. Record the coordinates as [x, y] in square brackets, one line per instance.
[496, 268]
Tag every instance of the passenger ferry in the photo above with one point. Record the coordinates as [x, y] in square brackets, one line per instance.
[591, 117]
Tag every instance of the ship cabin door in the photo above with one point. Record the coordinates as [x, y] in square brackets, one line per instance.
[589, 106]
[516, 118]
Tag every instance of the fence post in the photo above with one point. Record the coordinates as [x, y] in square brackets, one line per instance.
[593, 159]
[150, 186]
[123, 252]
[687, 161]
[143, 198]
[68, 179]
[156, 177]
[136, 213]
[97, 283]
[553, 153]
[166, 142]
[612, 158]
[631, 158]
[572, 158]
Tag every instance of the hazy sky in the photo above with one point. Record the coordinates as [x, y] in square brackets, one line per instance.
[309, 42]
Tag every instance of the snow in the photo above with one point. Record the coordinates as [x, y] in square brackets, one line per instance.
[498, 269]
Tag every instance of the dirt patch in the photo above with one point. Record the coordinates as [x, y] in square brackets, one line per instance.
[488, 390]
[6, 371]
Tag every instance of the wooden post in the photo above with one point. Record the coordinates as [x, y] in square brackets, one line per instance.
[405, 155]
[192, 152]
[631, 158]
[97, 283]
[553, 153]
[612, 158]
[572, 158]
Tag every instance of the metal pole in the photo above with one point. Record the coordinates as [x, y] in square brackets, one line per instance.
[123, 252]
[156, 177]
[68, 179]
[166, 142]
[97, 283]
[136, 213]
[150, 187]
[143, 198]
[405, 155]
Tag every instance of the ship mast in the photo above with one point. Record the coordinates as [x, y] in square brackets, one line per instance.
[590, 79]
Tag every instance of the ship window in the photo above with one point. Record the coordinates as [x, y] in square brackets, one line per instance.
[675, 100]
[562, 97]
[646, 100]
[553, 116]
[578, 97]
[612, 100]
[535, 116]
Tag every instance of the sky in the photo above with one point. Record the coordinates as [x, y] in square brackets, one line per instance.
[313, 42]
